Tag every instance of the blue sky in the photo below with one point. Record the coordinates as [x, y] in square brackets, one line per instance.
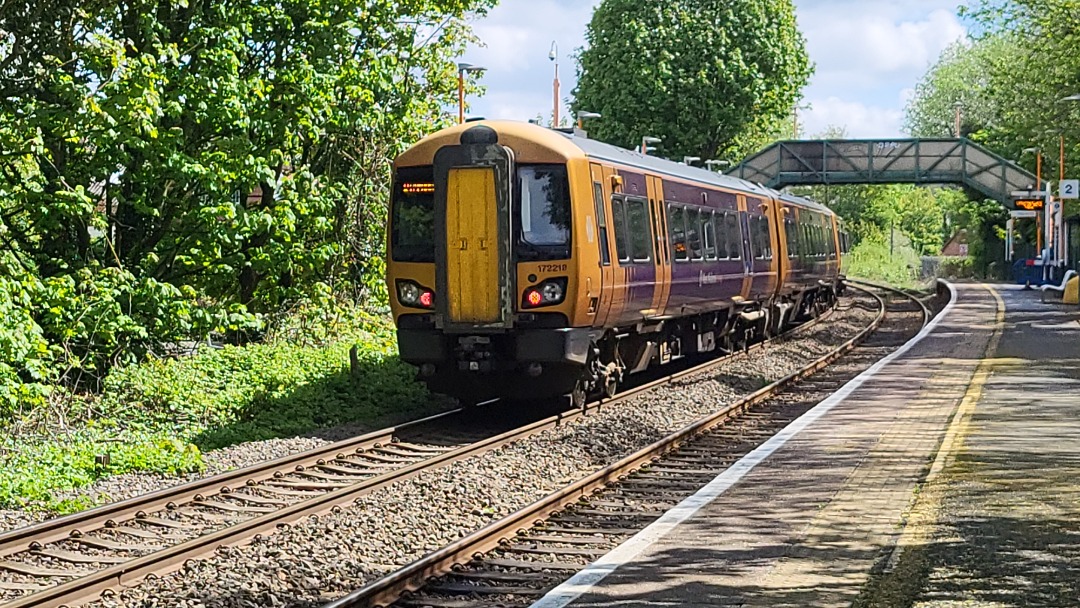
[869, 55]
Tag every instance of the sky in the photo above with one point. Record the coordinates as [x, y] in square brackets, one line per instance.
[868, 54]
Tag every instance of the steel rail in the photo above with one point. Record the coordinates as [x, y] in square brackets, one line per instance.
[388, 589]
[170, 558]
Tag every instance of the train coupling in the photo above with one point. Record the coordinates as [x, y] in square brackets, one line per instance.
[474, 354]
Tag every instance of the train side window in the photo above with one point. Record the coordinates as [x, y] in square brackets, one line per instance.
[708, 231]
[618, 213]
[766, 237]
[734, 235]
[721, 235]
[791, 234]
[601, 223]
[640, 230]
[693, 234]
[677, 226]
[757, 244]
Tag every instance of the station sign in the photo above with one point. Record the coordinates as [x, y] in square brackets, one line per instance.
[1030, 204]
[1024, 214]
[1069, 188]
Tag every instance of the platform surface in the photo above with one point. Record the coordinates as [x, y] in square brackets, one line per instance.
[868, 504]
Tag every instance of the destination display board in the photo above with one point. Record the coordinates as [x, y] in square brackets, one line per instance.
[1030, 204]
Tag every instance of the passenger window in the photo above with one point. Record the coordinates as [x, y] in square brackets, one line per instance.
[734, 235]
[640, 232]
[618, 216]
[693, 233]
[721, 235]
[677, 227]
[601, 223]
[791, 233]
[708, 231]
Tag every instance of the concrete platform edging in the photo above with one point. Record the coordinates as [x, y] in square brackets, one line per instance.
[583, 581]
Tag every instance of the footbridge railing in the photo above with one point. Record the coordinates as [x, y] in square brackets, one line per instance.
[887, 161]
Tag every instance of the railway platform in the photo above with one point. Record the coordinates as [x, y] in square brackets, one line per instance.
[943, 475]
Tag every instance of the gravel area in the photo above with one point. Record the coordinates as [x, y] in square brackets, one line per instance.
[129, 485]
[322, 558]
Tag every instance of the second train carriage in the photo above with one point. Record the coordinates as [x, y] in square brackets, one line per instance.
[527, 263]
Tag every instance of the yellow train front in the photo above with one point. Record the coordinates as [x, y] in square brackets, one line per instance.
[525, 263]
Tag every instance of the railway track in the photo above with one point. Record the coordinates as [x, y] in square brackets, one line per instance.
[71, 560]
[517, 560]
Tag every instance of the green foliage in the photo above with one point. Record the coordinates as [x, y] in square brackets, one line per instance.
[159, 416]
[713, 79]
[174, 169]
[957, 268]
[874, 259]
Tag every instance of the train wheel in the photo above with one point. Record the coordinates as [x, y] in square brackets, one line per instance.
[578, 395]
[611, 386]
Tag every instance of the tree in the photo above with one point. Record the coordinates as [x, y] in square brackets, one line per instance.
[174, 167]
[713, 78]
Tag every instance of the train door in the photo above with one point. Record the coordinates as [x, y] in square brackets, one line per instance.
[662, 259]
[773, 209]
[747, 250]
[601, 183]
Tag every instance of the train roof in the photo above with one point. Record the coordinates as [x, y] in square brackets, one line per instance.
[602, 151]
[562, 144]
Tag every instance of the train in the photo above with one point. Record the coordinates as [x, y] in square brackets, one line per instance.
[527, 263]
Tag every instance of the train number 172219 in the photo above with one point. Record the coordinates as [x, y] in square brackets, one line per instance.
[552, 267]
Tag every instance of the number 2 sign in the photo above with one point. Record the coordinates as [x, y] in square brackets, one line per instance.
[1069, 188]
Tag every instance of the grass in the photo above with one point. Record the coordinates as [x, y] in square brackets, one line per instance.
[162, 415]
[873, 259]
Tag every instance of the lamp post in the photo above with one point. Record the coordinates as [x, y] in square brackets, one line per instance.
[461, 69]
[1038, 188]
[645, 141]
[795, 119]
[553, 55]
[717, 163]
[959, 107]
[690, 160]
[583, 116]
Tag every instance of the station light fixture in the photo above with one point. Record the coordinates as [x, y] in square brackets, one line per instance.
[461, 69]
[648, 139]
[717, 163]
[583, 116]
[690, 160]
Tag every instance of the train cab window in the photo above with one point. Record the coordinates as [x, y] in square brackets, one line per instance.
[412, 236]
[693, 234]
[677, 227]
[734, 235]
[601, 223]
[618, 218]
[542, 208]
[640, 230]
[708, 232]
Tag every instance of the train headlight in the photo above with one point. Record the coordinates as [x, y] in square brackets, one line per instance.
[548, 293]
[416, 296]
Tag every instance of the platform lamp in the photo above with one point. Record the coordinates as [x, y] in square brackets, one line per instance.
[583, 116]
[645, 141]
[717, 163]
[553, 55]
[690, 160]
[1038, 188]
[461, 69]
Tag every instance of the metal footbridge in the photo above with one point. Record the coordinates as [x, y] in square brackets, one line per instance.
[887, 161]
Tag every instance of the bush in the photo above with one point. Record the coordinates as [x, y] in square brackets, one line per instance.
[957, 268]
[161, 415]
[873, 259]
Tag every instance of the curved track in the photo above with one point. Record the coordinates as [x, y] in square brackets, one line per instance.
[74, 559]
[517, 559]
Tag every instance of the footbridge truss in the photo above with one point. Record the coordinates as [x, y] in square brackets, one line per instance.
[887, 161]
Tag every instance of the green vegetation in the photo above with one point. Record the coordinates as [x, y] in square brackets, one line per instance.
[159, 416]
[875, 259]
[173, 170]
[673, 69]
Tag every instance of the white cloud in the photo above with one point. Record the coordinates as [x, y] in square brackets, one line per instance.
[869, 54]
[517, 37]
[858, 119]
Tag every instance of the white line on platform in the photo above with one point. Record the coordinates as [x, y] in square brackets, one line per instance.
[584, 580]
